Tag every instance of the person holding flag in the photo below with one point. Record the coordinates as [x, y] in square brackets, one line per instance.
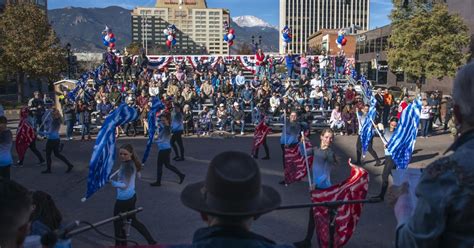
[388, 164]
[26, 138]
[126, 195]
[363, 117]
[164, 151]
[177, 128]
[324, 159]
[260, 138]
[290, 135]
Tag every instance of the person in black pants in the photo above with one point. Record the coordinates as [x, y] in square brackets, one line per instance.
[53, 143]
[126, 195]
[164, 153]
[177, 128]
[361, 116]
[265, 147]
[36, 152]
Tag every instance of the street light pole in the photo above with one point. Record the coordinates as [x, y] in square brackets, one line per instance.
[377, 68]
[256, 43]
[68, 49]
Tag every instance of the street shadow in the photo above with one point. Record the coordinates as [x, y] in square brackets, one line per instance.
[420, 158]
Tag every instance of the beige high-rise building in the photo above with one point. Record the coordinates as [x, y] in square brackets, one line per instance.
[200, 29]
[306, 17]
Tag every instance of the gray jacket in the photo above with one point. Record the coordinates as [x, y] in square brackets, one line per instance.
[444, 214]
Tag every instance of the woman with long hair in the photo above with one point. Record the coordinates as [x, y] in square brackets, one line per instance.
[177, 129]
[46, 217]
[164, 147]
[53, 143]
[126, 195]
[324, 161]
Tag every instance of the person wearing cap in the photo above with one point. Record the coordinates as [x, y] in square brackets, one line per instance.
[229, 200]
[237, 119]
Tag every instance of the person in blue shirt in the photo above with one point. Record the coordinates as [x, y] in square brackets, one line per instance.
[126, 195]
[290, 135]
[324, 160]
[290, 64]
[177, 128]
[164, 151]
[6, 143]
[53, 143]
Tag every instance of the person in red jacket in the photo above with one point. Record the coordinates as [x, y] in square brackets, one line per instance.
[402, 106]
[260, 63]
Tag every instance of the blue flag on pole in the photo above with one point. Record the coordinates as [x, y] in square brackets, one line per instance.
[156, 105]
[402, 143]
[103, 156]
[367, 129]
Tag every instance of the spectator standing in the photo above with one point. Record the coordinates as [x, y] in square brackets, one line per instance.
[290, 64]
[340, 62]
[304, 65]
[425, 118]
[260, 63]
[387, 105]
[69, 114]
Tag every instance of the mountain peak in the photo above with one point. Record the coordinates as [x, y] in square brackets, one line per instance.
[251, 21]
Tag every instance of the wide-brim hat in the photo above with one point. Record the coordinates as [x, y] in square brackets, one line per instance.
[232, 188]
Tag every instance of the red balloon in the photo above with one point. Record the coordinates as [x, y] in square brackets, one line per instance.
[231, 31]
[231, 43]
[111, 45]
[344, 41]
[168, 43]
[111, 35]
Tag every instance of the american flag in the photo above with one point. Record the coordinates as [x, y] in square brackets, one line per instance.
[261, 130]
[353, 188]
[295, 164]
[403, 140]
[25, 134]
[103, 156]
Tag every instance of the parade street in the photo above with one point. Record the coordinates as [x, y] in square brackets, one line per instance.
[172, 223]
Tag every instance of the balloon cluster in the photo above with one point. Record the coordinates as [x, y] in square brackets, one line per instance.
[108, 38]
[286, 36]
[341, 39]
[230, 34]
[170, 33]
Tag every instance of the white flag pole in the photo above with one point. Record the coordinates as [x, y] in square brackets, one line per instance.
[378, 132]
[308, 172]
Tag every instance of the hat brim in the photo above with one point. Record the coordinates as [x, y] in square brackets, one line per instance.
[192, 197]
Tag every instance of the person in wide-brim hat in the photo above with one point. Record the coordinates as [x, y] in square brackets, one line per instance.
[232, 188]
[229, 200]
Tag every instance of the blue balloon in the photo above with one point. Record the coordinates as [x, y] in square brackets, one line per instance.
[106, 43]
[112, 40]
[286, 36]
[173, 42]
[233, 38]
[339, 39]
[226, 38]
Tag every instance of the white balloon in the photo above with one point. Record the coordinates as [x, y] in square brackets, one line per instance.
[285, 44]
[339, 46]
[165, 31]
[170, 37]
[107, 38]
[230, 36]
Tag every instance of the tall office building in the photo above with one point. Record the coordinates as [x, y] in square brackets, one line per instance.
[199, 28]
[306, 17]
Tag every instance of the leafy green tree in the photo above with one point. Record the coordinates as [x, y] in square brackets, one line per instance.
[427, 41]
[29, 45]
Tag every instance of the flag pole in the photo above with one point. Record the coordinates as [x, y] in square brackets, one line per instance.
[378, 132]
[306, 160]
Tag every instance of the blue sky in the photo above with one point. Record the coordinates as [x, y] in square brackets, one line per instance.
[264, 9]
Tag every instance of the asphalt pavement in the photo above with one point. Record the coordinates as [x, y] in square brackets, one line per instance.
[172, 223]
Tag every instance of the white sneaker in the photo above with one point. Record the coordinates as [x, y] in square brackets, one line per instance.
[241, 133]
[233, 132]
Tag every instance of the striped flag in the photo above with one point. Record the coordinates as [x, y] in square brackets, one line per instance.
[295, 167]
[25, 134]
[261, 130]
[403, 140]
[103, 156]
[366, 91]
[353, 188]
[156, 105]
[366, 131]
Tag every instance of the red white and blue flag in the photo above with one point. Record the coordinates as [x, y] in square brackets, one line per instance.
[25, 134]
[353, 188]
[295, 164]
[261, 131]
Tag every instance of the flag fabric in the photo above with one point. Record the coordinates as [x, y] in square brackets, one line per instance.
[295, 163]
[25, 134]
[261, 130]
[353, 188]
[403, 140]
[103, 156]
[367, 129]
[366, 91]
[156, 105]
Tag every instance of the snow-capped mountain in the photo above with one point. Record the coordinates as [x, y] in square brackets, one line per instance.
[251, 21]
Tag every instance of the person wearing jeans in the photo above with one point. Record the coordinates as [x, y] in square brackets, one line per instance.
[69, 113]
[425, 118]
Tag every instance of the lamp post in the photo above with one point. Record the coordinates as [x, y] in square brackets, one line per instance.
[377, 68]
[256, 43]
[68, 50]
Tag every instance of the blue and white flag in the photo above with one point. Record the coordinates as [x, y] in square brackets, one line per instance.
[156, 105]
[403, 140]
[367, 129]
[367, 92]
[103, 156]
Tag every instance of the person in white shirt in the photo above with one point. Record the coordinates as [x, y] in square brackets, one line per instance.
[323, 62]
[274, 102]
[425, 118]
[316, 97]
[240, 81]
[316, 82]
[336, 122]
[154, 89]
